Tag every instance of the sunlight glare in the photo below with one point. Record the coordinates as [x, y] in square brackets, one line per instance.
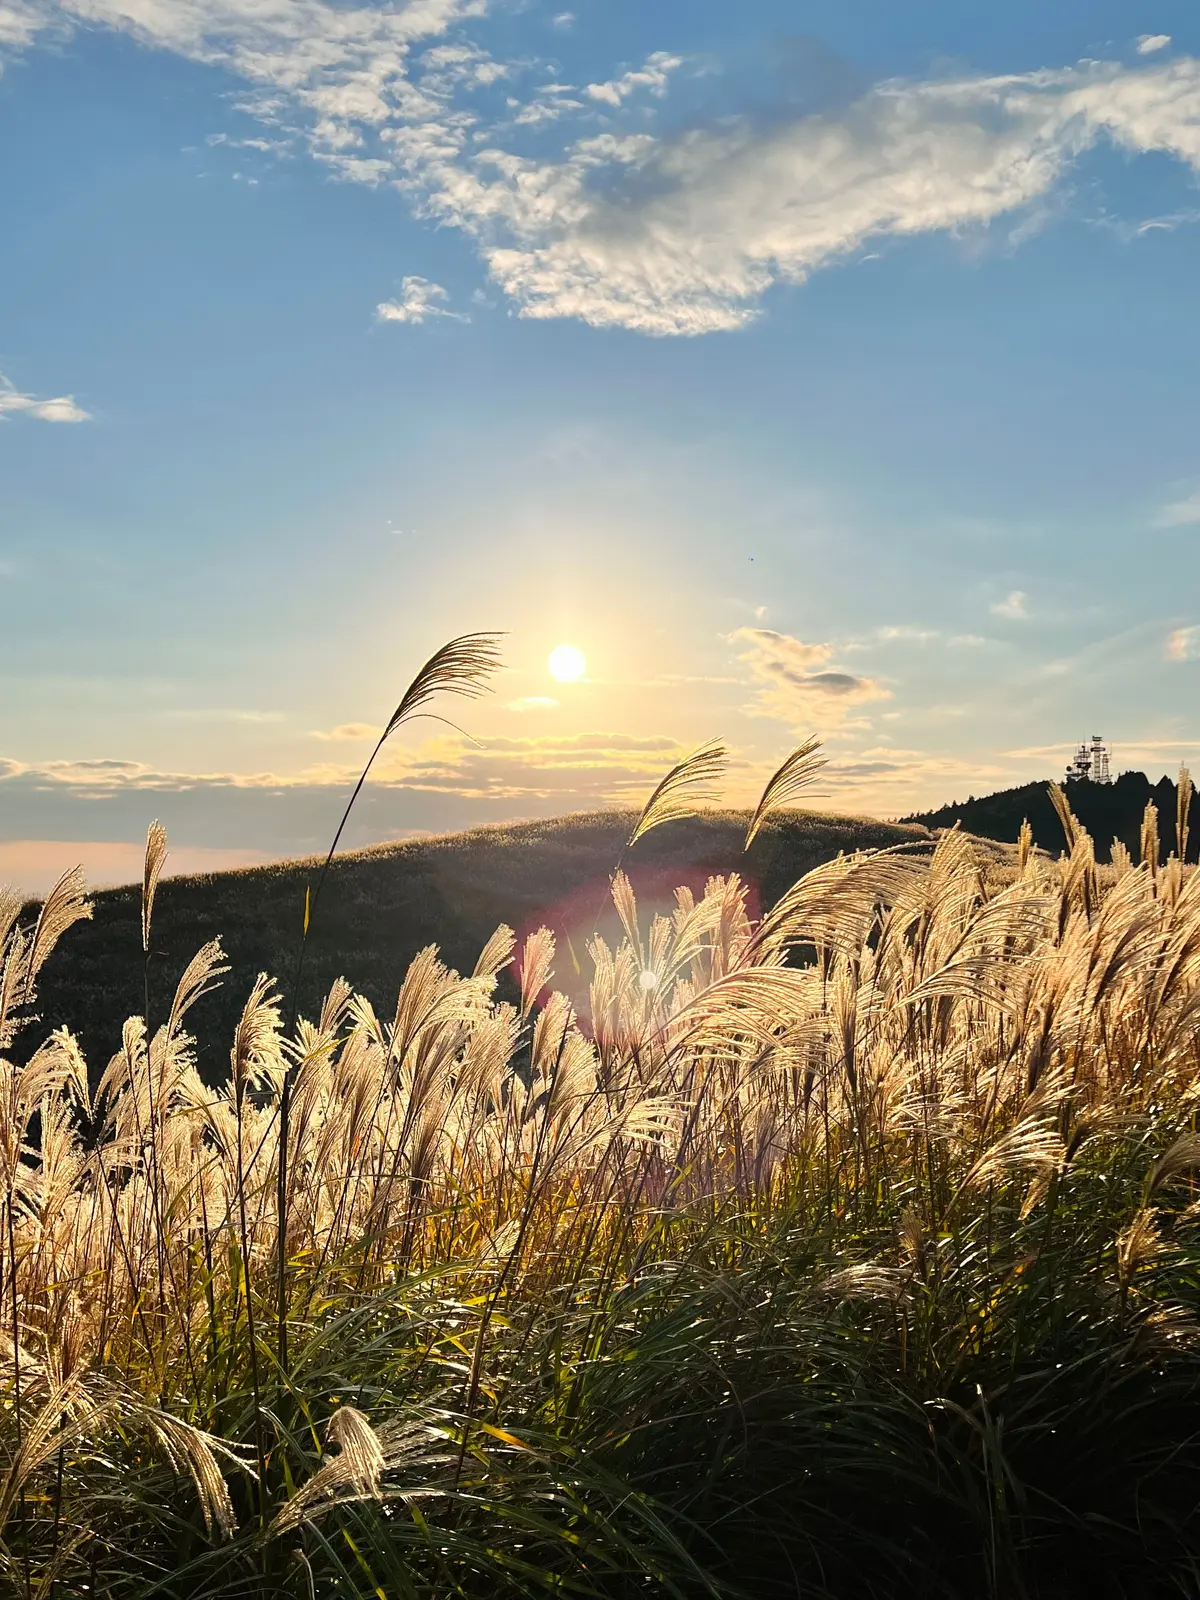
[567, 663]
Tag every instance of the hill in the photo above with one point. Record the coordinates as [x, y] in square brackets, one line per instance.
[381, 905]
[1108, 811]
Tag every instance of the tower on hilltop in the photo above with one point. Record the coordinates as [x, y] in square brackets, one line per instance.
[1091, 761]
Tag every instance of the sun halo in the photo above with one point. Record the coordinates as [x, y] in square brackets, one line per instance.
[567, 663]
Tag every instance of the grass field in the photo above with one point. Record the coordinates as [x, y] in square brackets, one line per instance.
[838, 1237]
[381, 906]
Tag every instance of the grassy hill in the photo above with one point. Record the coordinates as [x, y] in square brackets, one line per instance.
[381, 905]
[1107, 811]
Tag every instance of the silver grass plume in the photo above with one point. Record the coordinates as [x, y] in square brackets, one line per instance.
[1024, 846]
[256, 1037]
[10, 909]
[1183, 805]
[192, 1453]
[1149, 840]
[868, 1280]
[537, 965]
[156, 856]
[798, 772]
[496, 953]
[1138, 1244]
[461, 667]
[1030, 1146]
[364, 1454]
[359, 1449]
[1070, 823]
[1181, 1157]
[64, 906]
[689, 784]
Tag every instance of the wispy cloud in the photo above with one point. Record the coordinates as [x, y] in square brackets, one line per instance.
[348, 731]
[902, 633]
[1183, 513]
[419, 301]
[61, 409]
[907, 633]
[589, 768]
[663, 232]
[1014, 607]
[795, 683]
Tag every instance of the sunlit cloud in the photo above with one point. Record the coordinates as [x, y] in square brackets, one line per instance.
[628, 225]
[419, 301]
[795, 683]
[652, 76]
[349, 731]
[61, 409]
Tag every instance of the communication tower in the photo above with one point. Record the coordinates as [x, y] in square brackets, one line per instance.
[1092, 761]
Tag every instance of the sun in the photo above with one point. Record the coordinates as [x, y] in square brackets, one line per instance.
[567, 663]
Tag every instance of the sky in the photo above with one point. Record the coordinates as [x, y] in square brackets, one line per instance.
[812, 368]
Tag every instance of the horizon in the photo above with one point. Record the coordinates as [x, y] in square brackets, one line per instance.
[109, 866]
[835, 382]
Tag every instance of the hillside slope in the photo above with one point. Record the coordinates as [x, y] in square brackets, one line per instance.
[1107, 811]
[381, 905]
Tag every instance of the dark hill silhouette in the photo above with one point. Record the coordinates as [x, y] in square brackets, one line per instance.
[1107, 810]
[381, 905]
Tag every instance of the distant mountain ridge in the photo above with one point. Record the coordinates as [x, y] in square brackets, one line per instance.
[1107, 810]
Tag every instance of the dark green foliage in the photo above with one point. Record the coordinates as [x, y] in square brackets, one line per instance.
[1107, 811]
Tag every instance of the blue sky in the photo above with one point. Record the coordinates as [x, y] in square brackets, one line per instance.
[823, 368]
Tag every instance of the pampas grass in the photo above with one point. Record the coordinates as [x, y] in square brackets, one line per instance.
[854, 1250]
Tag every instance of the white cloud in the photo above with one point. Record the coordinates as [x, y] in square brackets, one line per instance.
[533, 702]
[1149, 43]
[652, 76]
[794, 682]
[685, 234]
[551, 102]
[419, 301]
[1181, 513]
[61, 409]
[678, 233]
[19, 23]
[1014, 607]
